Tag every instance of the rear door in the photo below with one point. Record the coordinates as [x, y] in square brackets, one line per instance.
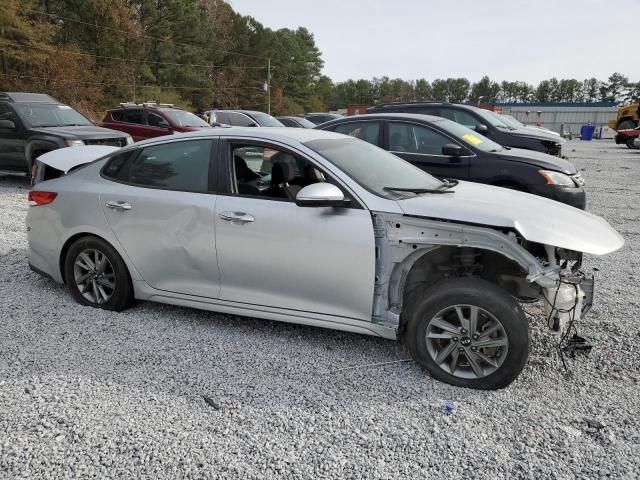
[161, 207]
[422, 146]
[130, 121]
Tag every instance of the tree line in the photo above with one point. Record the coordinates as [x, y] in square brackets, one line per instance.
[200, 54]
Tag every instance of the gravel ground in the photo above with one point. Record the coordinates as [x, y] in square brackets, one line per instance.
[88, 393]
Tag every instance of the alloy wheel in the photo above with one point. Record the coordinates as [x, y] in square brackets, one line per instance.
[467, 341]
[94, 276]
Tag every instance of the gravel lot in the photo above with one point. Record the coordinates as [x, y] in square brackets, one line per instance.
[88, 393]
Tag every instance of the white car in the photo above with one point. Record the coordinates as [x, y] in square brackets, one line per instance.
[318, 228]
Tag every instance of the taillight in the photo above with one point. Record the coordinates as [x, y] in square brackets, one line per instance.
[37, 198]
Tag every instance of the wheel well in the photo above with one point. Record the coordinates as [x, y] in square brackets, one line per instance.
[460, 262]
[67, 245]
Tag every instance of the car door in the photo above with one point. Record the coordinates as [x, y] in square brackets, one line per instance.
[160, 207]
[12, 141]
[157, 125]
[367, 130]
[422, 146]
[131, 121]
[274, 253]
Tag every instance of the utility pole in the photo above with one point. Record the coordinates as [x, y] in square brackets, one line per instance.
[269, 85]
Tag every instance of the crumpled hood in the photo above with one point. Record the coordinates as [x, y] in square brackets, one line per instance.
[65, 159]
[542, 160]
[88, 132]
[537, 219]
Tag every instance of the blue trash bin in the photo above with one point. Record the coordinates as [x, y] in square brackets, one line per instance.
[586, 132]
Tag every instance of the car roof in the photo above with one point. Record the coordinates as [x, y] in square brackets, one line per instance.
[25, 97]
[392, 116]
[282, 134]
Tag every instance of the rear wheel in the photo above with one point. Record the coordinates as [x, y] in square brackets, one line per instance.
[468, 333]
[97, 276]
[626, 124]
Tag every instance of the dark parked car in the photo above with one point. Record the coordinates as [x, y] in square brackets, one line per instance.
[318, 118]
[150, 120]
[34, 123]
[242, 118]
[447, 149]
[627, 136]
[482, 121]
[295, 122]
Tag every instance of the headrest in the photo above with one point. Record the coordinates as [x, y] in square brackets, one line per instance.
[281, 173]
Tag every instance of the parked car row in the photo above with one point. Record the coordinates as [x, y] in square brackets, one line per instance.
[235, 219]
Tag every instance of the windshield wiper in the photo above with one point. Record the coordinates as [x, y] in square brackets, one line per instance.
[417, 190]
[449, 183]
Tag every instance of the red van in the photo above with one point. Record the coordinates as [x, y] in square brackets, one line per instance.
[148, 120]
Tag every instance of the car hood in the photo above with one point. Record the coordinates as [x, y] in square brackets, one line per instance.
[65, 159]
[542, 160]
[81, 133]
[536, 218]
[536, 133]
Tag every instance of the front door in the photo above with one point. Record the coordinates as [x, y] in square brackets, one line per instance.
[422, 146]
[159, 208]
[12, 141]
[274, 253]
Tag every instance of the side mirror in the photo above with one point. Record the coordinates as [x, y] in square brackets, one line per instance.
[320, 195]
[482, 129]
[164, 125]
[7, 124]
[452, 150]
[253, 124]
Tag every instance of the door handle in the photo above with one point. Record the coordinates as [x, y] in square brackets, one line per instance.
[118, 205]
[240, 217]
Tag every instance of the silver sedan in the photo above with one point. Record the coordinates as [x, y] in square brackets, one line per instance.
[313, 227]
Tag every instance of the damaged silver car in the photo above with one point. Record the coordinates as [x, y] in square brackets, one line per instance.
[317, 228]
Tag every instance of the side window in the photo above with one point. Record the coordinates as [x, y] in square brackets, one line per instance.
[7, 114]
[155, 120]
[182, 166]
[461, 117]
[129, 116]
[118, 166]
[221, 117]
[367, 131]
[288, 122]
[404, 137]
[240, 119]
[271, 173]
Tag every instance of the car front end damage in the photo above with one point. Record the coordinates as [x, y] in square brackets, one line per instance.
[415, 253]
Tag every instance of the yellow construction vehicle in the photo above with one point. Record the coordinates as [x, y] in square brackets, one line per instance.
[627, 117]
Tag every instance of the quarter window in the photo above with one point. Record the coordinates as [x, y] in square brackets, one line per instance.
[182, 166]
[367, 131]
[404, 137]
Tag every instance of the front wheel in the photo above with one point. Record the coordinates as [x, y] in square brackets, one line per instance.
[630, 143]
[468, 333]
[97, 276]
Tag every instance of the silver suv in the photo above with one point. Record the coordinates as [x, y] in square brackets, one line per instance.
[318, 228]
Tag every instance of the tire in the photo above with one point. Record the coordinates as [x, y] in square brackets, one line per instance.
[499, 319]
[626, 124]
[630, 144]
[94, 282]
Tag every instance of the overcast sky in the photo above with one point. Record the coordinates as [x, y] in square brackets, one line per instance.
[505, 39]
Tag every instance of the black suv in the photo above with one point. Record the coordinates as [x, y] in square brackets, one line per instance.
[482, 121]
[34, 123]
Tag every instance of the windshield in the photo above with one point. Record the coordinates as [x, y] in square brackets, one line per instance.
[491, 118]
[374, 169]
[266, 120]
[47, 115]
[468, 136]
[185, 119]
